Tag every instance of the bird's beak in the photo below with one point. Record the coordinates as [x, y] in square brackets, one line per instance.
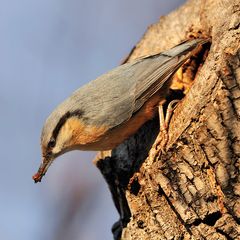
[42, 170]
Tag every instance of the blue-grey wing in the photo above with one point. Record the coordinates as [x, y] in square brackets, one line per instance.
[115, 96]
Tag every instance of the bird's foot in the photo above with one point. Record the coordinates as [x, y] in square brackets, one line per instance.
[161, 141]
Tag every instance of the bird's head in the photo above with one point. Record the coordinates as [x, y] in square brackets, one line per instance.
[59, 135]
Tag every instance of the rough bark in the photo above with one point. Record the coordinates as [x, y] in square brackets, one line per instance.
[190, 191]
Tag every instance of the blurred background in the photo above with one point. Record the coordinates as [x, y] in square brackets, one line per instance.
[48, 49]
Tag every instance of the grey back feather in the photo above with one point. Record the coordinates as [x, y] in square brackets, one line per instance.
[115, 96]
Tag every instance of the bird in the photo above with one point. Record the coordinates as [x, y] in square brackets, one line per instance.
[108, 110]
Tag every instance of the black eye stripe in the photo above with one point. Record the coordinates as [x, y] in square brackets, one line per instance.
[61, 122]
[51, 143]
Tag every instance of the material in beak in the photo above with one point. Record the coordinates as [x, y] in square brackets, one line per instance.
[37, 177]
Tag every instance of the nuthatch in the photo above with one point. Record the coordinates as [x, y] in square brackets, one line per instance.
[108, 110]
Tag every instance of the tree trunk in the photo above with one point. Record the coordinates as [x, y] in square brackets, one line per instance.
[190, 191]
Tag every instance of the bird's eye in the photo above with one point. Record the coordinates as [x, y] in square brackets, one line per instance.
[51, 143]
